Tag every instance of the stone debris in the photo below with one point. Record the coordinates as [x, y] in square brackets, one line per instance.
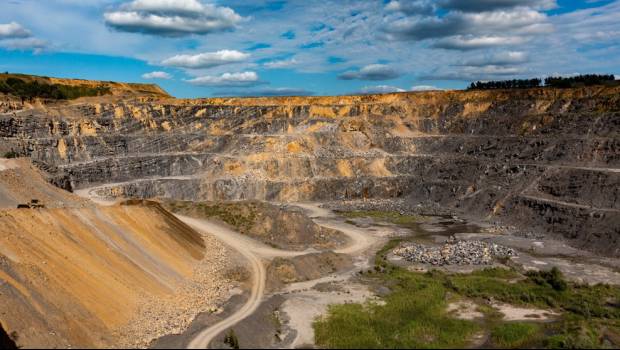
[455, 252]
[173, 314]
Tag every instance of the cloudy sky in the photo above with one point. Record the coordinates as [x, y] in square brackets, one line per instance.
[198, 48]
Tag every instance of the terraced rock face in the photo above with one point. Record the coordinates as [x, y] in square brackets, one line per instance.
[543, 159]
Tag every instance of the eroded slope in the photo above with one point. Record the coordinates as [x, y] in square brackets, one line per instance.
[76, 274]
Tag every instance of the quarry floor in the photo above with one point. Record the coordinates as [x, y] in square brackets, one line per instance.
[283, 318]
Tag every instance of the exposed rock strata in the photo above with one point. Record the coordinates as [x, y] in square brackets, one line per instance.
[542, 159]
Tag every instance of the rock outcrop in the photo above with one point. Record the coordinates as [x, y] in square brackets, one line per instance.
[542, 159]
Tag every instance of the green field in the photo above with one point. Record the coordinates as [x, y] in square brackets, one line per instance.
[414, 313]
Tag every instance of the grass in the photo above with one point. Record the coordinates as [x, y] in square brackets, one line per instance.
[402, 322]
[389, 216]
[514, 335]
[414, 316]
[241, 217]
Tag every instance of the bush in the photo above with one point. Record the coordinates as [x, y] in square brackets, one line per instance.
[552, 277]
[11, 154]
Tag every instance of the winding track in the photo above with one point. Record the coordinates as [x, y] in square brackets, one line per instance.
[255, 252]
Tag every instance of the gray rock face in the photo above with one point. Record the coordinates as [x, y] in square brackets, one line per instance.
[543, 160]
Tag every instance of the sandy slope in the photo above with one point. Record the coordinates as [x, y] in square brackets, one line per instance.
[82, 275]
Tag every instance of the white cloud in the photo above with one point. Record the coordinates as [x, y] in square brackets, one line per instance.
[473, 43]
[491, 5]
[13, 30]
[371, 72]
[416, 7]
[242, 79]
[13, 36]
[523, 21]
[470, 73]
[24, 44]
[156, 75]
[172, 18]
[280, 63]
[503, 58]
[424, 88]
[380, 89]
[207, 59]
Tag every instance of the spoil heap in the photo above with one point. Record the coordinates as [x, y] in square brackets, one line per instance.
[455, 252]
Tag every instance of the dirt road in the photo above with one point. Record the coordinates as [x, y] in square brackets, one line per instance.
[255, 252]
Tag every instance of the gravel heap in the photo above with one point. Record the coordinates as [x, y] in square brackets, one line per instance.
[455, 252]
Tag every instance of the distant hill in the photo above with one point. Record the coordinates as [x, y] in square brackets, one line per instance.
[31, 86]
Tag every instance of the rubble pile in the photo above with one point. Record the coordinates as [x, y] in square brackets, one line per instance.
[455, 252]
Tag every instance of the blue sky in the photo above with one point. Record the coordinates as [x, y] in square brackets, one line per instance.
[201, 48]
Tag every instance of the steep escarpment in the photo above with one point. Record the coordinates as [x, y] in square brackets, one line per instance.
[543, 159]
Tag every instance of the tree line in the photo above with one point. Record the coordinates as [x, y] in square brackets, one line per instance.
[33, 89]
[556, 82]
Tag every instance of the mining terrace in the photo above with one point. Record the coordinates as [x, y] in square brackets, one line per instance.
[115, 243]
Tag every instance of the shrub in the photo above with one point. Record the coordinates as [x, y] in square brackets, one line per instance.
[552, 277]
[11, 154]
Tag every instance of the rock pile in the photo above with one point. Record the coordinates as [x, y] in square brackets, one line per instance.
[455, 252]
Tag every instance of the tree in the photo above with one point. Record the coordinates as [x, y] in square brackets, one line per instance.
[506, 84]
[579, 80]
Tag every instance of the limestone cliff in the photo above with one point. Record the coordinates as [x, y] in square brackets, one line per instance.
[543, 159]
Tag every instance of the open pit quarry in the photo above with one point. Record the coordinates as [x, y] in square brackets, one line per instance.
[537, 162]
[542, 159]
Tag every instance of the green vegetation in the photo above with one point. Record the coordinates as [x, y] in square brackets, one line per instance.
[10, 154]
[579, 80]
[414, 312]
[505, 84]
[390, 216]
[514, 335]
[32, 89]
[555, 82]
[413, 317]
[241, 217]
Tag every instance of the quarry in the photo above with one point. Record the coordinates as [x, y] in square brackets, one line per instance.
[136, 219]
